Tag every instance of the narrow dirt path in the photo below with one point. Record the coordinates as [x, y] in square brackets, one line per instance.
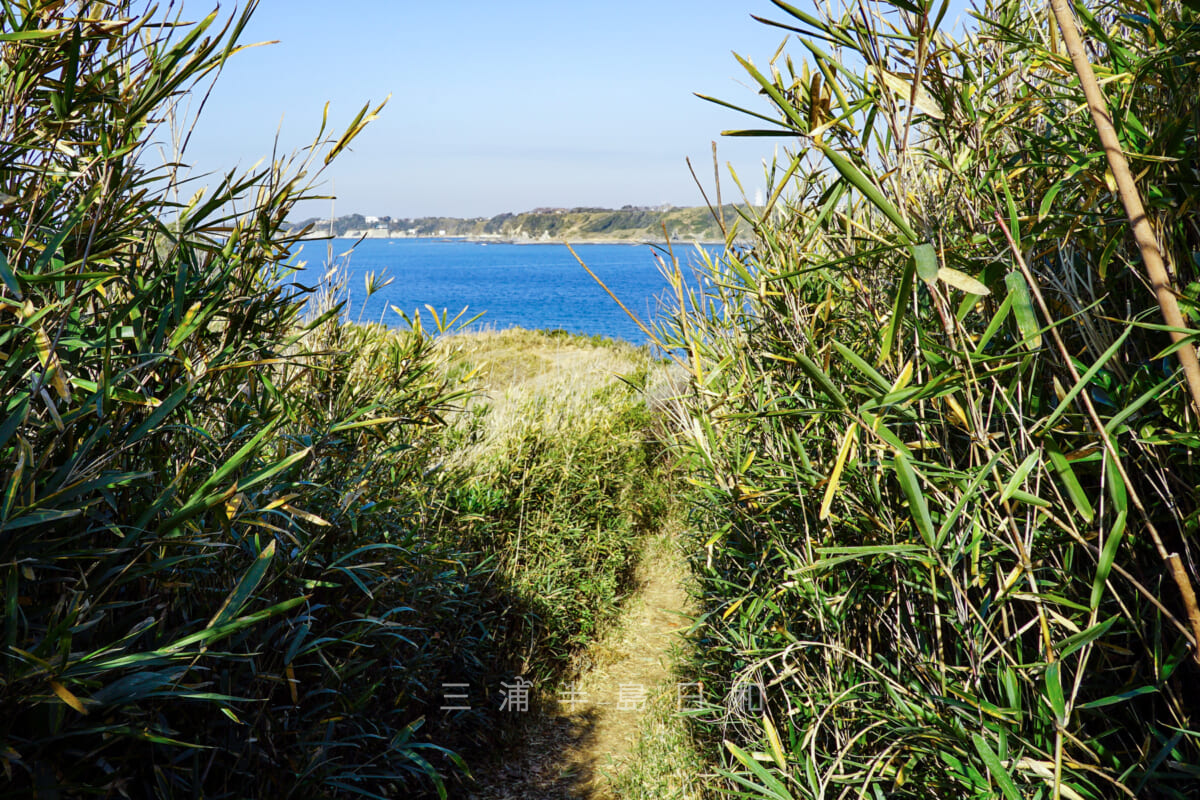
[571, 752]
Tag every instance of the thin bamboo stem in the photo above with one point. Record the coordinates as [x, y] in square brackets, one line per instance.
[1172, 560]
[1160, 280]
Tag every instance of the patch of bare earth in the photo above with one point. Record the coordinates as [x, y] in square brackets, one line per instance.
[570, 750]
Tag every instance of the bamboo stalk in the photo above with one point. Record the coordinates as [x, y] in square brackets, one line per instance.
[1160, 280]
[1172, 560]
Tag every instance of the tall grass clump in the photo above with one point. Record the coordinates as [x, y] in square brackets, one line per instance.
[218, 566]
[558, 479]
[943, 450]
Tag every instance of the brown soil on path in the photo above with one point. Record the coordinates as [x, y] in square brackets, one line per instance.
[569, 752]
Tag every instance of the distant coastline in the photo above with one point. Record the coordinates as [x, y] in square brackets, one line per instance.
[630, 224]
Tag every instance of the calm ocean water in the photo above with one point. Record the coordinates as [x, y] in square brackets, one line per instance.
[529, 286]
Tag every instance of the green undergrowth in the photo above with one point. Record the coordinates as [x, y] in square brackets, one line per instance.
[556, 474]
[667, 760]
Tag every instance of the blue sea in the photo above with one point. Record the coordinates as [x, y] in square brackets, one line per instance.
[529, 286]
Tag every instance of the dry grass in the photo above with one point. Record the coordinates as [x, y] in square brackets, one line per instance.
[537, 382]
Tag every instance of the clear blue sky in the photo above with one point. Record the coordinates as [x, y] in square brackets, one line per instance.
[496, 106]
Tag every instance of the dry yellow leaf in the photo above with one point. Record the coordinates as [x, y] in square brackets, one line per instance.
[65, 695]
[903, 89]
[835, 477]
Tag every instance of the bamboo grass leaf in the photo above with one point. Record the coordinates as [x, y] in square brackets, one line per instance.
[996, 768]
[917, 505]
[962, 281]
[822, 380]
[1153, 393]
[1054, 693]
[849, 439]
[926, 261]
[1067, 475]
[10, 279]
[1085, 379]
[206, 637]
[1019, 476]
[773, 92]
[968, 495]
[860, 364]
[1084, 638]
[771, 787]
[871, 191]
[159, 414]
[226, 470]
[899, 308]
[1022, 307]
[1123, 697]
[1108, 555]
[245, 587]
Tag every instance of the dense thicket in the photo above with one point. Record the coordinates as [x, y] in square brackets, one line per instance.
[229, 562]
[916, 545]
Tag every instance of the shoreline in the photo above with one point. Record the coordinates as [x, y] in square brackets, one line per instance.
[502, 240]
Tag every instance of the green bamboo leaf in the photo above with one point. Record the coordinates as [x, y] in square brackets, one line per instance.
[159, 414]
[1019, 476]
[1084, 638]
[996, 768]
[926, 261]
[1108, 555]
[363, 423]
[772, 91]
[1022, 307]
[271, 471]
[210, 636]
[1119, 698]
[967, 495]
[1075, 491]
[1022, 496]
[245, 587]
[192, 320]
[1048, 200]
[869, 190]
[916, 498]
[1014, 217]
[770, 787]
[72, 74]
[1115, 483]
[819, 377]
[855, 360]
[227, 469]
[15, 419]
[833, 32]
[892, 333]
[20, 36]
[1085, 380]
[1155, 392]
[871, 550]
[14, 484]
[9, 278]
[1054, 693]
[40, 518]
[51, 249]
